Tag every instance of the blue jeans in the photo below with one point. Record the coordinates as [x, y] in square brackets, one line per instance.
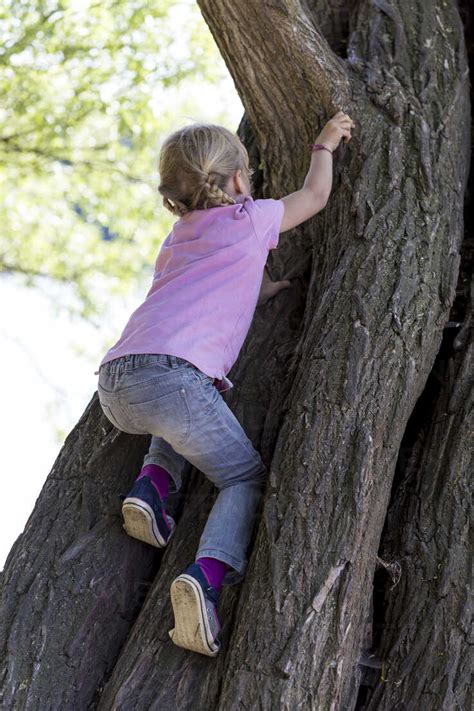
[171, 399]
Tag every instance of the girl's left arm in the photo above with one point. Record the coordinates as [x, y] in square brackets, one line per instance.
[269, 288]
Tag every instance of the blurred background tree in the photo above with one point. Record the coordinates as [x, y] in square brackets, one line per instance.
[89, 91]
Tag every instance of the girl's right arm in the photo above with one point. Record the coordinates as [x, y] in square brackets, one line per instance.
[313, 196]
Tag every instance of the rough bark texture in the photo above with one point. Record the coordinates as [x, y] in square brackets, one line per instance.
[325, 385]
[425, 614]
[73, 583]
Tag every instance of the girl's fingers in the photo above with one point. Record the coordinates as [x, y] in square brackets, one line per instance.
[346, 135]
[343, 126]
[344, 117]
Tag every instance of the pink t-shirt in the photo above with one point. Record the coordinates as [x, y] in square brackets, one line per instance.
[205, 286]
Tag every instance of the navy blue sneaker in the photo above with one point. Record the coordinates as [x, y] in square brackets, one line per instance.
[145, 515]
[194, 601]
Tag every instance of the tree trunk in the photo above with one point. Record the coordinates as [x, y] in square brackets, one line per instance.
[423, 602]
[325, 385]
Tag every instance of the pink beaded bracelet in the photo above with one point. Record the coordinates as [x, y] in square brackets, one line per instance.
[319, 146]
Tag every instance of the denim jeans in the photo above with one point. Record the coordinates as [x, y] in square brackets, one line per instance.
[171, 399]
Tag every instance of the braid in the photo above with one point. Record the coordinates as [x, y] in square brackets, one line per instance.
[216, 194]
[209, 194]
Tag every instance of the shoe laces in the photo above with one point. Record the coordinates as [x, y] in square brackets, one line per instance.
[212, 594]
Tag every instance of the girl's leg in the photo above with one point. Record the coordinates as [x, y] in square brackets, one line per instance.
[163, 454]
[218, 446]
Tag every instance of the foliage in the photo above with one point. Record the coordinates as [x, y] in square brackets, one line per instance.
[89, 90]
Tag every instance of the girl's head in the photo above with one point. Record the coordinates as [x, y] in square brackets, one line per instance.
[202, 165]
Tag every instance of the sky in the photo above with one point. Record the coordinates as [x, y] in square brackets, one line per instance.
[48, 363]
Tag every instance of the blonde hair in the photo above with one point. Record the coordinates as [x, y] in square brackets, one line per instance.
[195, 165]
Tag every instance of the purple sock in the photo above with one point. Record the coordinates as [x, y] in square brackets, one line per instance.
[214, 570]
[159, 477]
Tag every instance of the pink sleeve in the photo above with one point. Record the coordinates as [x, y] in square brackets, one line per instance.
[266, 216]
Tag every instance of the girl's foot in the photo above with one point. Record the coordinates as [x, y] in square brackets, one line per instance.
[214, 570]
[159, 476]
[194, 601]
[145, 515]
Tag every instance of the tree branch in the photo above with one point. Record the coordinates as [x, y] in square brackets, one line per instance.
[110, 166]
[277, 58]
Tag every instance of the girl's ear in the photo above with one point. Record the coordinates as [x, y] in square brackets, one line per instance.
[239, 183]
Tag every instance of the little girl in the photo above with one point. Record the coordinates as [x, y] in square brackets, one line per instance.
[166, 373]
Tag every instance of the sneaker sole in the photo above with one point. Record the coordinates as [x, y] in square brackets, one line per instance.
[191, 629]
[140, 522]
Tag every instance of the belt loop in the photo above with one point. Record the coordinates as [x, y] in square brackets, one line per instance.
[172, 361]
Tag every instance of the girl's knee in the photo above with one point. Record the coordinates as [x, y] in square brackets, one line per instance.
[256, 478]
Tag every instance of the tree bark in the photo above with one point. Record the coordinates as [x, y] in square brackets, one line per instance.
[424, 614]
[324, 385]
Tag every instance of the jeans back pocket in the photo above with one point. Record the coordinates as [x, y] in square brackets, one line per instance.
[113, 411]
[163, 415]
